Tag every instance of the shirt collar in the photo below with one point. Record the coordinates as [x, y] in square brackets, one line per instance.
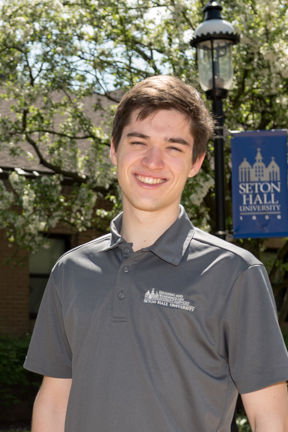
[170, 246]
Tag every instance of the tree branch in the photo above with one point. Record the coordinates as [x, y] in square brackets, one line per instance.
[57, 170]
[62, 134]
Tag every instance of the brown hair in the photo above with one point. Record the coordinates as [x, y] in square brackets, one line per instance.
[165, 92]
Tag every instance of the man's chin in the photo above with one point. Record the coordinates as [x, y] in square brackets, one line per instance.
[149, 206]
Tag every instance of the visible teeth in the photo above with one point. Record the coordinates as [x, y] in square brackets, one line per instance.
[150, 180]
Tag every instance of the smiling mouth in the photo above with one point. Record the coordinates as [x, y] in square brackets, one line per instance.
[150, 180]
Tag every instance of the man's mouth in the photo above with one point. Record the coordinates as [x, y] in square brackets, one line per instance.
[150, 180]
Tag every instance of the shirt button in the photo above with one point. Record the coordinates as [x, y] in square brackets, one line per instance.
[121, 295]
[126, 253]
[125, 269]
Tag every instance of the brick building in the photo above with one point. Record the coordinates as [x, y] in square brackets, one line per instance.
[23, 277]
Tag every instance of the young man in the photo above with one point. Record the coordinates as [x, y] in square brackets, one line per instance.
[157, 326]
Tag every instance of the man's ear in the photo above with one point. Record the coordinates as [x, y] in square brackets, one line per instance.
[113, 155]
[196, 165]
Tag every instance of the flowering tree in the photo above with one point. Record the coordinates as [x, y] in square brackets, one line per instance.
[57, 55]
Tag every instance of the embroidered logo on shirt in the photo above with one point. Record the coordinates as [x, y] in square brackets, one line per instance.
[167, 299]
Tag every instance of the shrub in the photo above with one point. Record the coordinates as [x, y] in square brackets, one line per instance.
[15, 382]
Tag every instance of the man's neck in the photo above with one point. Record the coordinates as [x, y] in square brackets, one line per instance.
[143, 228]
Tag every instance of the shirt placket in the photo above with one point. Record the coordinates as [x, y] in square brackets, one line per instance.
[121, 290]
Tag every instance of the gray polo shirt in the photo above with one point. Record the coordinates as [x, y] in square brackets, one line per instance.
[158, 340]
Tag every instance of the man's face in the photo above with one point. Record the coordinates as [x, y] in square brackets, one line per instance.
[154, 160]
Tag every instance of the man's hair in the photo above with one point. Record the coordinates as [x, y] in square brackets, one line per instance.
[165, 92]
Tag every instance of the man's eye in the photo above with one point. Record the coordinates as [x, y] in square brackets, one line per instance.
[177, 149]
[137, 143]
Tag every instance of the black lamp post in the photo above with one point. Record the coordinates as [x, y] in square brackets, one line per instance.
[213, 39]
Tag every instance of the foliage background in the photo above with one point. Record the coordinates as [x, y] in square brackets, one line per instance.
[18, 387]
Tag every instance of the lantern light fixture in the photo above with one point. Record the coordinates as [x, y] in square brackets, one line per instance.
[214, 39]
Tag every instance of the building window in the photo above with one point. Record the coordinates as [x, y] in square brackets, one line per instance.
[40, 265]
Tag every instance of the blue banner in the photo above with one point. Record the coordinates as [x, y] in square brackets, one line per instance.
[259, 184]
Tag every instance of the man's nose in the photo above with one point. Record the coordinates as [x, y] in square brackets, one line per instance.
[153, 158]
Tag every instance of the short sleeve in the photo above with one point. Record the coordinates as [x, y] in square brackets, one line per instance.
[49, 351]
[256, 351]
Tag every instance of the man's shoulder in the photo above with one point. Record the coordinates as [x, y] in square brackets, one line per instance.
[208, 241]
[93, 247]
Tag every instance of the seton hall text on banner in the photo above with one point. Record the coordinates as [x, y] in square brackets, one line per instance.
[259, 184]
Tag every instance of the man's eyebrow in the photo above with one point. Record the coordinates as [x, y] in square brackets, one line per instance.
[177, 140]
[137, 134]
